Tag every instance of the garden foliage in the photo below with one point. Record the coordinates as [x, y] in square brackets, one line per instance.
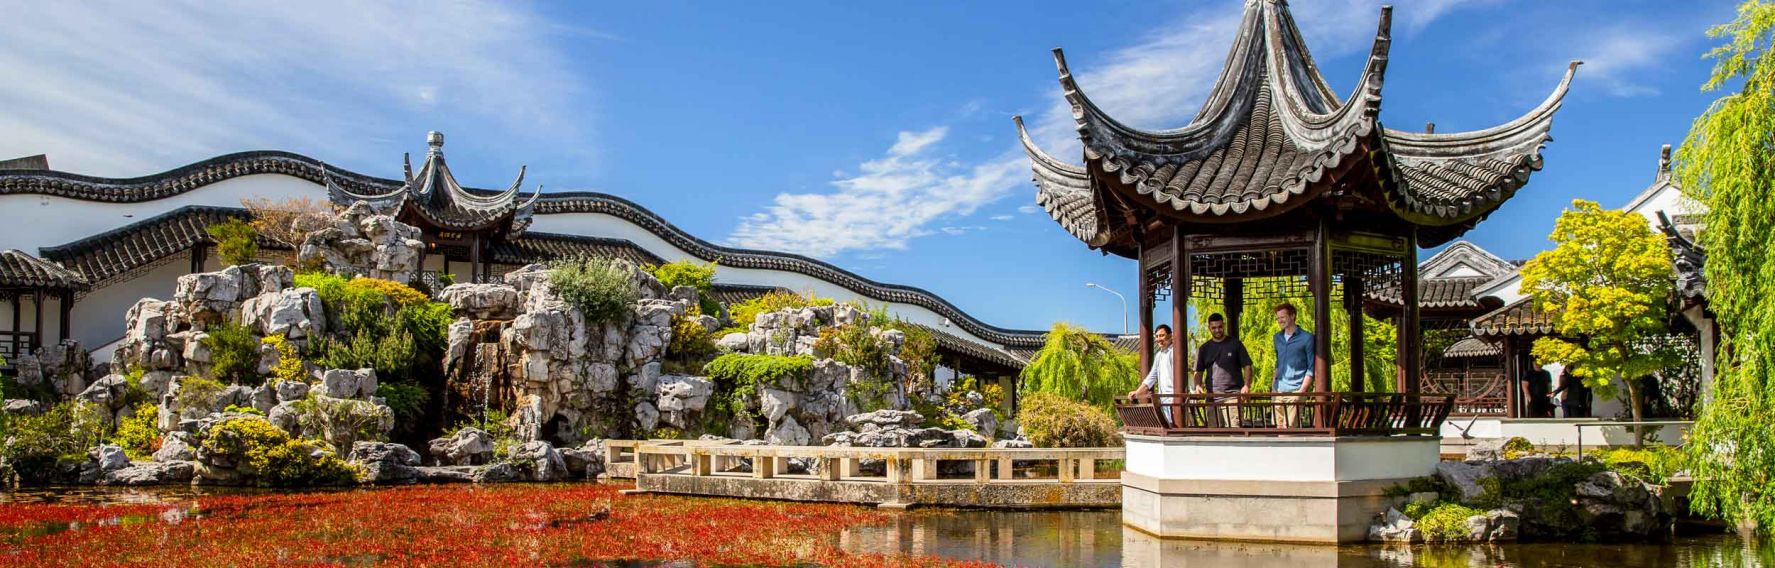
[1077, 364]
[1728, 164]
[744, 314]
[1054, 421]
[390, 326]
[37, 447]
[268, 456]
[738, 376]
[289, 220]
[599, 287]
[700, 276]
[234, 354]
[138, 434]
[1607, 281]
[236, 241]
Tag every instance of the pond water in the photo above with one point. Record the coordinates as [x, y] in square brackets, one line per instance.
[1097, 539]
[1094, 539]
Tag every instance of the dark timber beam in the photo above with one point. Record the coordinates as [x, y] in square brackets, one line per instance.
[67, 305]
[1180, 293]
[1232, 296]
[1411, 345]
[1146, 316]
[1320, 285]
[1353, 306]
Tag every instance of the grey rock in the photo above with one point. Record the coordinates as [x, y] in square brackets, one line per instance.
[787, 433]
[539, 461]
[482, 301]
[384, 462]
[291, 391]
[1465, 477]
[175, 447]
[19, 406]
[1018, 443]
[886, 419]
[469, 446]
[446, 474]
[497, 473]
[984, 420]
[1504, 525]
[107, 392]
[110, 457]
[733, 342]
[582, 463]
[1486, 449]
[151, 473]
[1394, 527]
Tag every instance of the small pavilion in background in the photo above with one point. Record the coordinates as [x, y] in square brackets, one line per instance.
[1280, 188]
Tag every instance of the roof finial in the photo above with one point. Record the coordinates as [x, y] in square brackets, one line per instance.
[1664, 163]
[435, 140]
[1429, 128]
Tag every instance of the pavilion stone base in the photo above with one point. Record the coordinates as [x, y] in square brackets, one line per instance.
[1320, 489]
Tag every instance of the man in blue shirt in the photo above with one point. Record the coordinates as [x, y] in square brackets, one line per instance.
[1294, 366]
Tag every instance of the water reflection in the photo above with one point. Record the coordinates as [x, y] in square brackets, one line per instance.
[1097, 538]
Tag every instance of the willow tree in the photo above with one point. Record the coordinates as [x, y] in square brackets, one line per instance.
[1078, 364]
[1728, 164]
[1257, 329]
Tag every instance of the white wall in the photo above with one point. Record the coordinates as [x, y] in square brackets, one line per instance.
[34, 221]
[98, 317]
[1276, 458]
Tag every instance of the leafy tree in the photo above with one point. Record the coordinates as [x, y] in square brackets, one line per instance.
[236, 241]
[1605, 283]
[1728, 164]
[1080, 365]
[1056, 421]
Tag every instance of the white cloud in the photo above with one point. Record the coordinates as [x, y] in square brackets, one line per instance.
[1614, 57]
[1002, 217]
[127, 88]
[890, 201]
[1029, 209]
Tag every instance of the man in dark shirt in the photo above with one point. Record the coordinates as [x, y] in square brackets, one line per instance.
[1223, 366]
[1576, 401]
[1535, 385]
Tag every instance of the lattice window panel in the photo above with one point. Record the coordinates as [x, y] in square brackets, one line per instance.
[1267, 274]
[1158, 281]
[1377, 271]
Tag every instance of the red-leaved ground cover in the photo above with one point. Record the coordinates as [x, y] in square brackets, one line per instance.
[505, 525]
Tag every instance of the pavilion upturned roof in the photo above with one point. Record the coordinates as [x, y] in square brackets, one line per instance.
[19, 270]
[1271, 136]
[434, 198]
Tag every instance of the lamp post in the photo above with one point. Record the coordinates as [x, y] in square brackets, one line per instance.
[1119, 297]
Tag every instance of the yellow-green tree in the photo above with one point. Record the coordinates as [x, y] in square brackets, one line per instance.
[1728, 164]
[1080, 365]
[1605, 283]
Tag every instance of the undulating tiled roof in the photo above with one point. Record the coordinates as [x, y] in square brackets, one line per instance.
[138, 244]
[1472, 347]
[541, 247]
[1272, 133]
[187, 178]
[21, 270]
[1519, 318]
[736, 293]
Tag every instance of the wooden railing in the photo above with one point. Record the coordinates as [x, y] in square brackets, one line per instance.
[1269, 414]
[1477, 391]
[901, 465]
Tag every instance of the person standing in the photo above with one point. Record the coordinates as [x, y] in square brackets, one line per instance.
[1223, 366]
[1534, 393]
[1294, 366]
[1158, 379]
[1574, 397]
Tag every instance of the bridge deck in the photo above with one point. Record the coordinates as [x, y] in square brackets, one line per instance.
[888, 477]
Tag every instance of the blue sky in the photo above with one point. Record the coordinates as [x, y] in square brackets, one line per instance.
[874, 135]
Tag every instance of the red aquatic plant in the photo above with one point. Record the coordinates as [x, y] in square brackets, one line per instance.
[450, 526]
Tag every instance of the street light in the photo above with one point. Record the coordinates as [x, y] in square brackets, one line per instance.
[1119, 297]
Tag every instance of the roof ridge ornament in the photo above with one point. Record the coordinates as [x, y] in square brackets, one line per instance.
[1664, 163]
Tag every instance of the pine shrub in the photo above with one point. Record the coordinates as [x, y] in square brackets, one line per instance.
[1053, 421]
[599, 287]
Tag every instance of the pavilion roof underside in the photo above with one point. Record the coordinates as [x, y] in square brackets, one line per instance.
[1271, 136]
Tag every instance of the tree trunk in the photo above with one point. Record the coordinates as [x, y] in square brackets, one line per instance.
[1637, 404]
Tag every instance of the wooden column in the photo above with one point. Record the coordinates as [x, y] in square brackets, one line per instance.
[17, 306]
[199, 252]
[37, 320]
[1180, 293]
[474, 260]
[1513, 378]
[1146, 315]
[67, 315]
[1320, 284]
[1411, 350]
[1232, 303]
[1353, 305]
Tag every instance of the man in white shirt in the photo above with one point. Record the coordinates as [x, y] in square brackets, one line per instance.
[1159, 378]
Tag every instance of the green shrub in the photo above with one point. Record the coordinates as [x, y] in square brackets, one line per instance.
[237, 409]
[744, 314]
[685, 273]
[1654, 464]
[427, 323]
[236, 241]
[690, 340]
[43, 391]
[270, 457]
[197, 394]
[1052, 421]
[289, 365]
[35, 446]
[139, 434]
[1517, 447]
[234, 354]
[598, 287]
[737, 376]
[1446, 522]
[406, 400]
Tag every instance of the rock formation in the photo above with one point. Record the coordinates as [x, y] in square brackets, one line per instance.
[362, 243]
